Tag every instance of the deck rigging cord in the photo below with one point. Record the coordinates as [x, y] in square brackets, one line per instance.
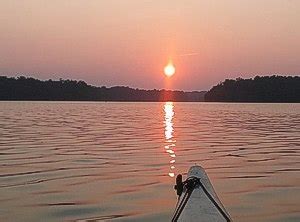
[190, 184]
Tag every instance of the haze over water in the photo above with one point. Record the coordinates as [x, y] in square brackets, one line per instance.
[63, 161]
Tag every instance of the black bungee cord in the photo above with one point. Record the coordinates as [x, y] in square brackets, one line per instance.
[189, 184]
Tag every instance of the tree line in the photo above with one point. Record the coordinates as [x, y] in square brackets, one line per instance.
[259, 89]
[27, 88]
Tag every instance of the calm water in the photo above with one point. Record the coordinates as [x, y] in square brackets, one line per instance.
[117, 161]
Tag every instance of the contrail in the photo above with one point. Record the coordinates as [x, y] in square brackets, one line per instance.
[189, 54]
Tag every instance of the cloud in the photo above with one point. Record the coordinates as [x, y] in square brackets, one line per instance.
[189, 54]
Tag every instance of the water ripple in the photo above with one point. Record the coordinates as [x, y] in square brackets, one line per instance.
[64, 161]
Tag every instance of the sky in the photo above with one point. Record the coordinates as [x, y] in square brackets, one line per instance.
[128, 42]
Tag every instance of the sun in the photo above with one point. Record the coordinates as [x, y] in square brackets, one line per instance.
[169, 69]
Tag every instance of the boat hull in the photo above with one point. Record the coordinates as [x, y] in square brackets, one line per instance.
[203, 202]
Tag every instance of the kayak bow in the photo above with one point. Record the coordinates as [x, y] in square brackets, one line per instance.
[197, 200]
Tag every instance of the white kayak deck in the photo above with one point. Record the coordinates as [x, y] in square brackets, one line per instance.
[199, 207]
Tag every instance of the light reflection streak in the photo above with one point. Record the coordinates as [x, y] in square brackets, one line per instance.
[169, 141]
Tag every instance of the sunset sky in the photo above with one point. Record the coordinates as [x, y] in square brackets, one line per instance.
[128, 42]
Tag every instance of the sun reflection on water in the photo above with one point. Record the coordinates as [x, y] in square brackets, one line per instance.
[169, 140]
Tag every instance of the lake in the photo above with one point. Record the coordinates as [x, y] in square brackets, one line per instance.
[85, 161]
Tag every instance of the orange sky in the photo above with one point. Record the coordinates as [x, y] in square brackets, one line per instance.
[128, 42]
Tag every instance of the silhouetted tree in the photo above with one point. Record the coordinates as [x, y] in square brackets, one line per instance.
[260, 89]
[22, 88]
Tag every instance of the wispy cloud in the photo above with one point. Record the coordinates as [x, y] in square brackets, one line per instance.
[189, 54]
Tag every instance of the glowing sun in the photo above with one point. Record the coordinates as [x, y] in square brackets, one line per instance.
[169, 69]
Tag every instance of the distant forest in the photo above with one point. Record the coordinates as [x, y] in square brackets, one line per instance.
[23, 88]
[259, 89]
